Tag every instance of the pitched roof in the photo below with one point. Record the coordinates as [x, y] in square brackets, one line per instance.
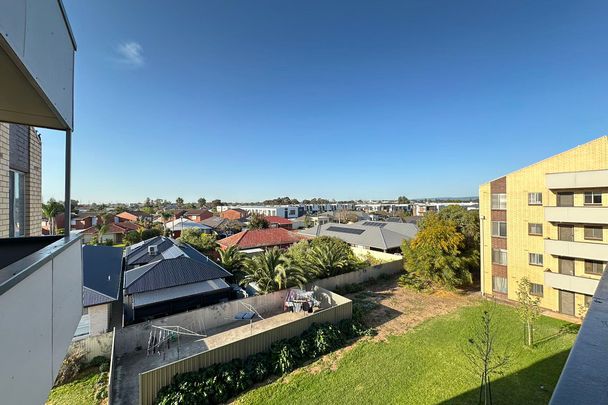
[138, 253]
[185, 223]
[101, 268]
[277, 220]
[112, 228]
[214, 222]
[128, 225]
[380, 235]
[252, 238]
[165, 273]
[198, 212]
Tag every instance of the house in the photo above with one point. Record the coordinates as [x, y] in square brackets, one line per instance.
[261, 238]
[133, 216]
[115, 232]
[234, 213]
[548, 222]
[164, 277]
[284, 211]
[178, 225]
[279, 222]
[101, 298]
[198, 215]
[371, 235]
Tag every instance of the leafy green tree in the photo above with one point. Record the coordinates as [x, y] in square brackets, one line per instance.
[203, 242]
[258, 221]
[201, 202]
[528, 309]
[179, 202]
[328, 257]
[308, 221]
[434, 255]
[403, 200]
[132, 237]
[150, 233]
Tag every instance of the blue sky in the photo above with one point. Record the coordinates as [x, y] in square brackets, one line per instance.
[248, 100]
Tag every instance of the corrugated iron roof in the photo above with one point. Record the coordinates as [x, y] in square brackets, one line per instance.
[101, 268]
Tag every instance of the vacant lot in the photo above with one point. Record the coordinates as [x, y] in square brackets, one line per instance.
[417, 357]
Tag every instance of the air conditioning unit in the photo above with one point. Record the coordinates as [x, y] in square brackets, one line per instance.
[153, 250]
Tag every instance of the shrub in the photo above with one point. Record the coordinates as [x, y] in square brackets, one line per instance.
[70, 367]
[283, 357]
[409, 280]
[98, 361]
[258, 366]
[104, 367]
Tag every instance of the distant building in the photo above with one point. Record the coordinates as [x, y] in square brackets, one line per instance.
[372, 235]
[279, 222]
[115, 232]
[421, 209]
[233, 213]
[198, 215]
[283, 211]
[133, 216]
[178, 225]
[261, 238]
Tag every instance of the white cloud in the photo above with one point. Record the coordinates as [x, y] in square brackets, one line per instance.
[130, 54]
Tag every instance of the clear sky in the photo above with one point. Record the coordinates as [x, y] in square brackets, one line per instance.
[249, 100]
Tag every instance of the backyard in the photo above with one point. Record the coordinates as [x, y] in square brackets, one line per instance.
[417, 356]
[79, 391]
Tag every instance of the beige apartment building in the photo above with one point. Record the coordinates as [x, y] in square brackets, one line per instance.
[20, 181]
[548, 222]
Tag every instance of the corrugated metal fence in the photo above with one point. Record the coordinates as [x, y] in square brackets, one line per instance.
[152, 381]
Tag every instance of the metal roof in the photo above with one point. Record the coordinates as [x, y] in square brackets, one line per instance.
[171, 293]
[101, 268]
[91, 298]
[170, 273]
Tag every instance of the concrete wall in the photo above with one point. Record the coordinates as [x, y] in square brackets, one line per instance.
[359, 276]
[152, 381]
[93, 346]
[99, 319]
[385, 257]
[39, 316]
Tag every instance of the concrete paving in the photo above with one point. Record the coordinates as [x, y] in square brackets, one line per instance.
[125, 385]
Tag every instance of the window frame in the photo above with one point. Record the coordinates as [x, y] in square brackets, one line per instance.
[14, 216]
[537, 294]
[500, 252]
[499, 235]
[530, 224]
[593, 228]
[501, 201]
[592, 263]
[592, 195]
[537, 202]
[537, 255]
[506, 283]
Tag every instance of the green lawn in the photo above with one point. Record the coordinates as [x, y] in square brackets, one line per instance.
[426, 366]
[79, 392]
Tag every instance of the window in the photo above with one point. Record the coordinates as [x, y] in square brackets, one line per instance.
[536, 289]
[16, 204]
[499, 284]
[499, 229]
[499, 256]
[593, 197]
[499, 201]
[535, 259]
[588, 299]
[594, 267]
[594, 232]
[535, 229]
[535, 198]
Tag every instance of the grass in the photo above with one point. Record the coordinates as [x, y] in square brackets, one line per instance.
[427, 366]
[80, 392]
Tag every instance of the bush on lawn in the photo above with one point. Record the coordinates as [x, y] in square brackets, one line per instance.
[220, 382]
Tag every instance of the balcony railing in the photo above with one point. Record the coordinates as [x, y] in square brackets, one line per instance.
[584, 379]
[577, 215]
[573, 180]
[579, 250]
[566, 282]
[41, 301]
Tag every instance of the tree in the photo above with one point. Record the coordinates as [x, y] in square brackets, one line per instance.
[403, 200]
[528, 308]
[308, 221]
[272, 271]
[434, 255]
[481, 352]
[132, 237]
[201, 202]
[233, 260]
[50, 211]
[328, 257]
[258, 221]
[202, 242]
[101, 230]
[179, 202]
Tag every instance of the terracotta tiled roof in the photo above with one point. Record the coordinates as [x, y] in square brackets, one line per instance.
[277, 220]
[129, 226]
[255, 238]
[112, 228]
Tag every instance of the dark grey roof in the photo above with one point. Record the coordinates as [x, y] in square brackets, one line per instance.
[139, 255]
[171, 272]
[91, 298]
[101, 267]
[214, 222]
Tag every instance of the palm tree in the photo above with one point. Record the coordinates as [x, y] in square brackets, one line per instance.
[49, 211]
[273, 271]
[290, 274]
[326, 261]
[231, 258]
[101, 230]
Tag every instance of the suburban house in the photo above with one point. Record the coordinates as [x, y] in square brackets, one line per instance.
[284, 211]
[101, 298]
[222, 226]
[198, 215]
[233, 213]
[261, 239]
[548, 222]
[178, 225]
[115, 232]
[133, 216]
[163, 277]
[372, 235]
[279, 222]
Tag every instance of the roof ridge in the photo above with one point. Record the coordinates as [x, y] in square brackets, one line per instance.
[100, 293]
[152, 265]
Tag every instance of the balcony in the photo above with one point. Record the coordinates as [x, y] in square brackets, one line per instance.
[574, 180]
[579, 250]
[585, 376]
[577, 215]
[581, 285]
[41, 301]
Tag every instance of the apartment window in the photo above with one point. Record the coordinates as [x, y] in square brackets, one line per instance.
[535, 198]
[499, 229]
[593, 197]
[536, 289]
[535, 259]
[16, 204]
[594, 232]
[588, 299]
[499, 256]
[499, 284]
[594, 267]
[535, 229]
[499, 201]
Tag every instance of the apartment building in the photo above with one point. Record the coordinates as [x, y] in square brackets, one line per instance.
[548, 222]
[20, 181]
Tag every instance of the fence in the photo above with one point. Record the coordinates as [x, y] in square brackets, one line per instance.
[152, 381]
[111, 371]
[93, 346]
[360, 276]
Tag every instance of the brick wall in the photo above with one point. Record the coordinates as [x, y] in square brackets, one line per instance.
[33, 187]
[4, 164]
